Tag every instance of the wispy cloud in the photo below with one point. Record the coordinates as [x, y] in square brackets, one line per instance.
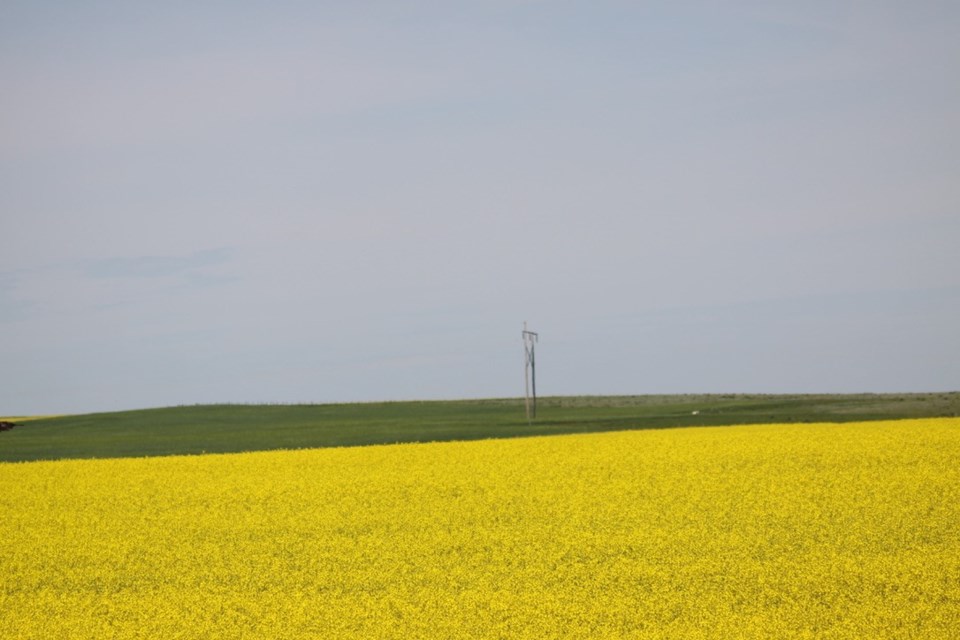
[158, 266]
[12, 306]
[79, 288]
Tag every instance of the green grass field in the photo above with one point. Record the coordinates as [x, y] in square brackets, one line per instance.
[234, 428]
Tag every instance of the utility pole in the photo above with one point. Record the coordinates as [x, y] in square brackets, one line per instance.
[530, 339]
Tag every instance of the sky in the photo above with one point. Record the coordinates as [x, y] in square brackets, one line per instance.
[294, 201]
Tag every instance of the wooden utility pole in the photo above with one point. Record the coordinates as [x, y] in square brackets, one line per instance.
[530, 339]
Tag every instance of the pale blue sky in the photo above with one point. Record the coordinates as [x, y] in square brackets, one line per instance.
[320, 202]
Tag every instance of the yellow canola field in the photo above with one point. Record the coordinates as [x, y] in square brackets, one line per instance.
[772, 531]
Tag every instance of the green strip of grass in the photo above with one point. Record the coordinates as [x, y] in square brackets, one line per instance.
[233, 428]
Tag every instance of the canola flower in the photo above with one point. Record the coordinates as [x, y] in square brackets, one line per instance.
[767, 531]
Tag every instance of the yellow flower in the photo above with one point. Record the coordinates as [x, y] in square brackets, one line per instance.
[786, 531]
